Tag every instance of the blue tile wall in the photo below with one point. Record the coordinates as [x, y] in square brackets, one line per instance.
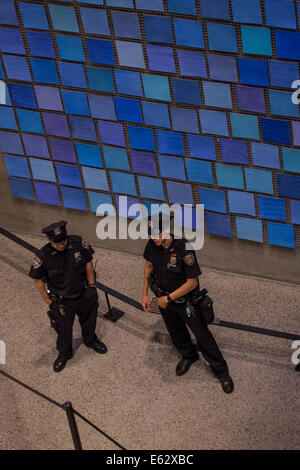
[175, 101]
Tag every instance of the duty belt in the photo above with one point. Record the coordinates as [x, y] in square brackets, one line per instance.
[71, 296]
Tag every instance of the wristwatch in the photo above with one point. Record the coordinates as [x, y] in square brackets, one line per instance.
[169, 298]
[92, 285]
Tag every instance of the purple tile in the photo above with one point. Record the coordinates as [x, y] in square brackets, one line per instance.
[56, 124]
[296, 132]
[47, 193]
[48, 97]
[111, 133]
[35, 145]
[62, 150]
[143, 162]
[250, 99]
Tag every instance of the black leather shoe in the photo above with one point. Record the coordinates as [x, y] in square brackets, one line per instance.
[60, 362]
[98, 346]
[227, 383]
[183, 366]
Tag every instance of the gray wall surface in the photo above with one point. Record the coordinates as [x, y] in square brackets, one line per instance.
[240, 256]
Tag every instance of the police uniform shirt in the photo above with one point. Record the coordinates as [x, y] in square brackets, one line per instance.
[172, 266]
[63, 271]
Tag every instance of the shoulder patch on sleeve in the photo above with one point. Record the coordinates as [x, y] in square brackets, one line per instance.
[37, 263]
[85, 244]
[189, 259]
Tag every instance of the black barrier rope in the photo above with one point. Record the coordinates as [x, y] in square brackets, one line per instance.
[70, 412]
[114, 314]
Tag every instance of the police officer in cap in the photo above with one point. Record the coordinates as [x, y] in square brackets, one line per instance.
[65, 265]
[176, 273]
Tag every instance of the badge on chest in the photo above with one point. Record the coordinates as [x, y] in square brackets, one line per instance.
[172, 261]
[77, 256]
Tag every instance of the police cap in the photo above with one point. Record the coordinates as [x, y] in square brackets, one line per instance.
[56, 232]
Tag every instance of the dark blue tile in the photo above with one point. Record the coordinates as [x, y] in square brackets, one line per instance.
[234, 151]
[276, 131]
[289, 186]
[253, 72]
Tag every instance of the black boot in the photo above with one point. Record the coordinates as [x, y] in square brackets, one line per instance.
[98, 346]
[183, 366]
[227, 383]
[60, 362]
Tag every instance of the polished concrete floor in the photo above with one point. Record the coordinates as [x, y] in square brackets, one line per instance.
[132, 392]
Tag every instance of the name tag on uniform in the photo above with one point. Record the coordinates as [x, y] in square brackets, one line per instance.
[173, 261]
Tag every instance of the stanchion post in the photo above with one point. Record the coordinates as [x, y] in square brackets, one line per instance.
[73, 425]
[113, 314]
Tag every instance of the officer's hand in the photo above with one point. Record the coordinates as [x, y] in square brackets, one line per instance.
[48, 301]
[162, 301]
[146, 303]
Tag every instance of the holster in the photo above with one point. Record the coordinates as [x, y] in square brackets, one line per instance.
[204, 304]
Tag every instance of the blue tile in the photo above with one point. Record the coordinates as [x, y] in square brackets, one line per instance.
[280, 13]
[56, 124]
[213, 200]
[281, 234]
[170, 143]
[213, 122]
[282, 105]
[7, 118]
[156, 87]
[94, 2]
[100, 79]
[47, 193]
[22, 96]
[172, 167]
[256, 40]
[141, 138]
[283, 73]
[271, 208]
[155, 5]
[143, 162]
[158, 29]
[161, 58]
[276, 131]
[120, 3]
[42, 170]
[259, 181]
[128, 110]
[217, 9]
[70, 48]
[218, 224]
[295, 211]
[250, 99]
[244, 125]
[191, 63]
[229, 176]
[115, 157]
[199, 171]
[177, 6]
[10, 142]
[289, 186]
[186, 91]
[100, 51]
[40, 44]
[126, 25]
[222, 37]
[222, 68]
[234, 151]
[75, 102]
[88, 155]
[21, 188]
[111, 133]
[94, 21]
[34, 16]
[287, 44]
[94, 178]
[102, 107]
[44, 71]
[184, 120]
[8, 13]
[156, 114]
[63, 18]
[62, 150]
[73, 198]
[16, 67]
[241, 202]
[217, 94]
[17, 166]
[291, 159]
[246, 12]
[265, 155]
[249, 229]
[253, 72]
[11, 41]
[72, 74]
[82, 128]
[68, 174]
[128, 83]
[130, 54]
[151, 188]
[35, 145]
[202, 147]
[179, 193]
[123, 183]
[97, 199]
[188, 33]
[30, 121]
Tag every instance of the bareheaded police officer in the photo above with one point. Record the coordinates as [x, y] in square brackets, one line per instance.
[65, 265]
[176, 272]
